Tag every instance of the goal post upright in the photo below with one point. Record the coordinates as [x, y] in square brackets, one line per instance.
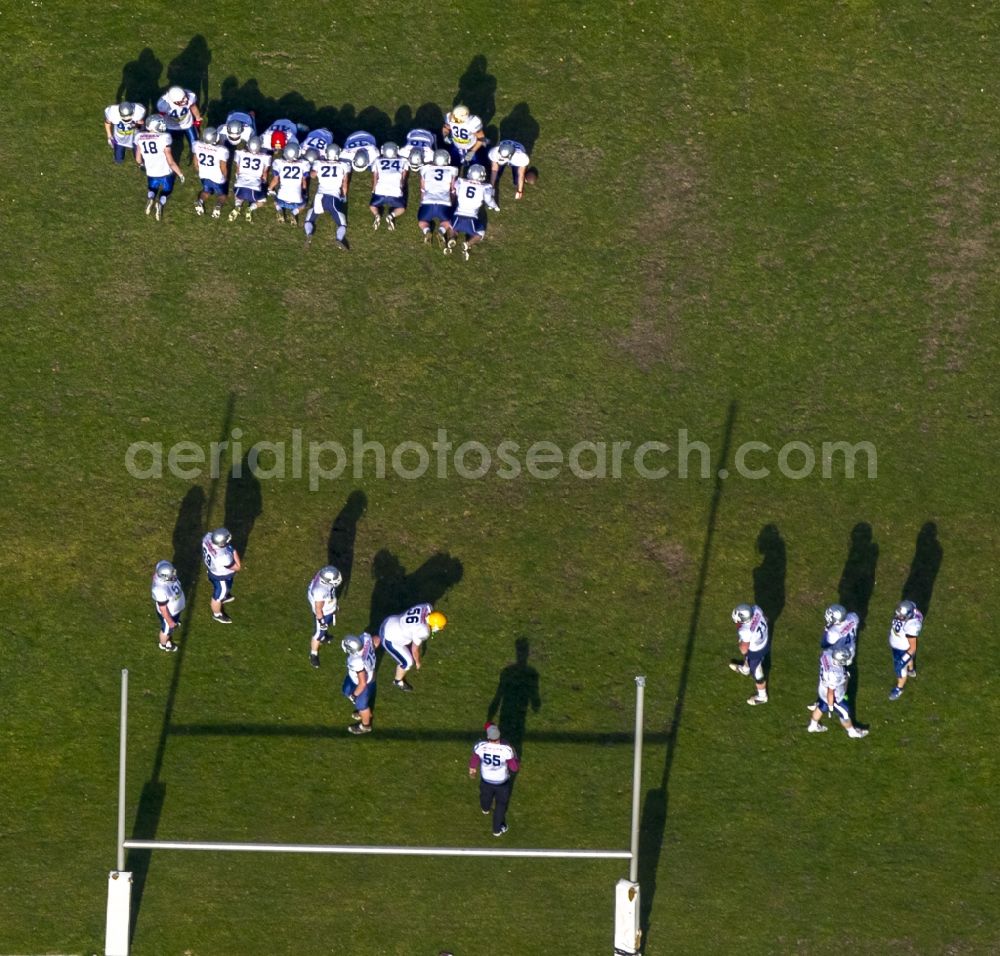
[117, 928]
[628, 933]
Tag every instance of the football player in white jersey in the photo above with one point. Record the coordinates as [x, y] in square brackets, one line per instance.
[832, 690]
[153, 152]
[840, 625]
[249, 187]
[237, 129]
[322, 597]
[907, 623]
[389, 177]
[332, 177]
[180, 108]
[318, 140]
[403, 634]
[358, 140]
[289, 178]
[359, 684]
[754, 640]
[121, 122]
[289, 134]
[168, 597]
[509, 152]
[496, 760]
[471, 195]
[211, 159]
[437, 190]
[463, 132]
[222, 561]
[418, 139]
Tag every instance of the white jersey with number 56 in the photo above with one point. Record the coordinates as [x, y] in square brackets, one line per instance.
[410, 627]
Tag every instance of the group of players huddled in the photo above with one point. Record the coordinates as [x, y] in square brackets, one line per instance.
[284, 160]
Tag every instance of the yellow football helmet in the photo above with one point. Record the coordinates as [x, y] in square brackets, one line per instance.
[436, 621]
[460, 113]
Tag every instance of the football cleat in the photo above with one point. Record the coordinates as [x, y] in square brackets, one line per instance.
[376, 222]
[248, 215]
[390, 221]
[743, 669]
[199, 208]
[895, 693]
[818, 728]
[403, 685]
[314, 659]
[501, 831]
[449, 246]
[169, 647]
[834, 614]
[279, 214]
[342, 244]
[216, 212]
[222, 618]
[330, 575]
[756, 701]
[149, 206]
[221, 537]
[158, 212]
[228, 599]
[742, 614]
[465, 251]
[857, 733]
[358, 729]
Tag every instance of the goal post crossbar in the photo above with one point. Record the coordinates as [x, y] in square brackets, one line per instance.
[375, 850]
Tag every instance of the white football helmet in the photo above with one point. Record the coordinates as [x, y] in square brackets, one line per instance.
[416, 158]
[477, 173]
[254, 144]
[165, 572]
[221, 537]
[390, 150]
[332, 152]
[361, 159]
[352, 644]
[834, 614]
[742, 613]
[210, 135]
[905, 610]
[126, 110]
[291, 152]
[460, 113]
[505, 150]
[442, 157]
[156, 123]
[177, 96]
[330, 575]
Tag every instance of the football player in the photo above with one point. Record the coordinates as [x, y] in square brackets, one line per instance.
[471, 195]
[153, 152]
[180, 107]
[907, 622]
[211, 159]
[463, 132]
[252, 165]
[322, 597]
[318, 140]
[289, 176]
[356, 141]
[359, 684]
[403, 634]
[841, 625]
[222, 561]
[752, 634]
[389, 175]
[168, 597]
[238, 129]
[289, 134]
[437, 182]
[121, 121]
[418, 139]
[332, 177]
[832, 691]
[509, 152]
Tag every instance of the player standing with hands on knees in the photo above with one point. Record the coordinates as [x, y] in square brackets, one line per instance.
[403, 634]
[222, 562]
[496, 760]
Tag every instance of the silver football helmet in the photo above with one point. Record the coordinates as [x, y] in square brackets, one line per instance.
[834, 614]
[477, 173]
[312, 154]
[505, 151]
[165, 572]
[416, 159]
[742, 613]
[332, 152]
[234, 130]
[352, 644]
[156, 123]
[390, 150]
[330, 575]
[361, 159]
[905, 610]
[442, 157]
[291, 152]
[843, 653]
[221, 537]
[210, 135]
[126, 110]
[254, 144]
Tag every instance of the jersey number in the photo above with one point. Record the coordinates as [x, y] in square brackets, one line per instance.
[249, 163]
[470, 192]
[205, 160]
[492, 760]
[150, 148]
[291, 172]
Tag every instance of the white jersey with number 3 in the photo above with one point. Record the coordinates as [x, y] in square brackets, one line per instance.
[435, 184]
[410, 627]
[153, 148]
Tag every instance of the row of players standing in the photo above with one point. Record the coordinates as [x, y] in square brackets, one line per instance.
[453, 181]
[838, 647]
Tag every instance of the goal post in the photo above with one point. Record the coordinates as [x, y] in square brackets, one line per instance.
[627, 932]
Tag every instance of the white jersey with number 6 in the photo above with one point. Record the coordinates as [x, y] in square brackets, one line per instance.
[470, 197]
[410, 627]
[152, 147]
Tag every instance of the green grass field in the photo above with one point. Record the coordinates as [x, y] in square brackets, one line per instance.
[758, 223]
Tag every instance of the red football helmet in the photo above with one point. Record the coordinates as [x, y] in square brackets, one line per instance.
[279, 140]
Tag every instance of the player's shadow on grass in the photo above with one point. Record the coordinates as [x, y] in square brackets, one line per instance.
[477, 89]
[857, 584]
[517, 691]
[244, 503]
[769, 575]
[140, 82]
[428, 116]
[189, 69]
[188, 531]
[652, 825]
[927, 557]
[521, 126]
[343, 535]
[395, 590]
